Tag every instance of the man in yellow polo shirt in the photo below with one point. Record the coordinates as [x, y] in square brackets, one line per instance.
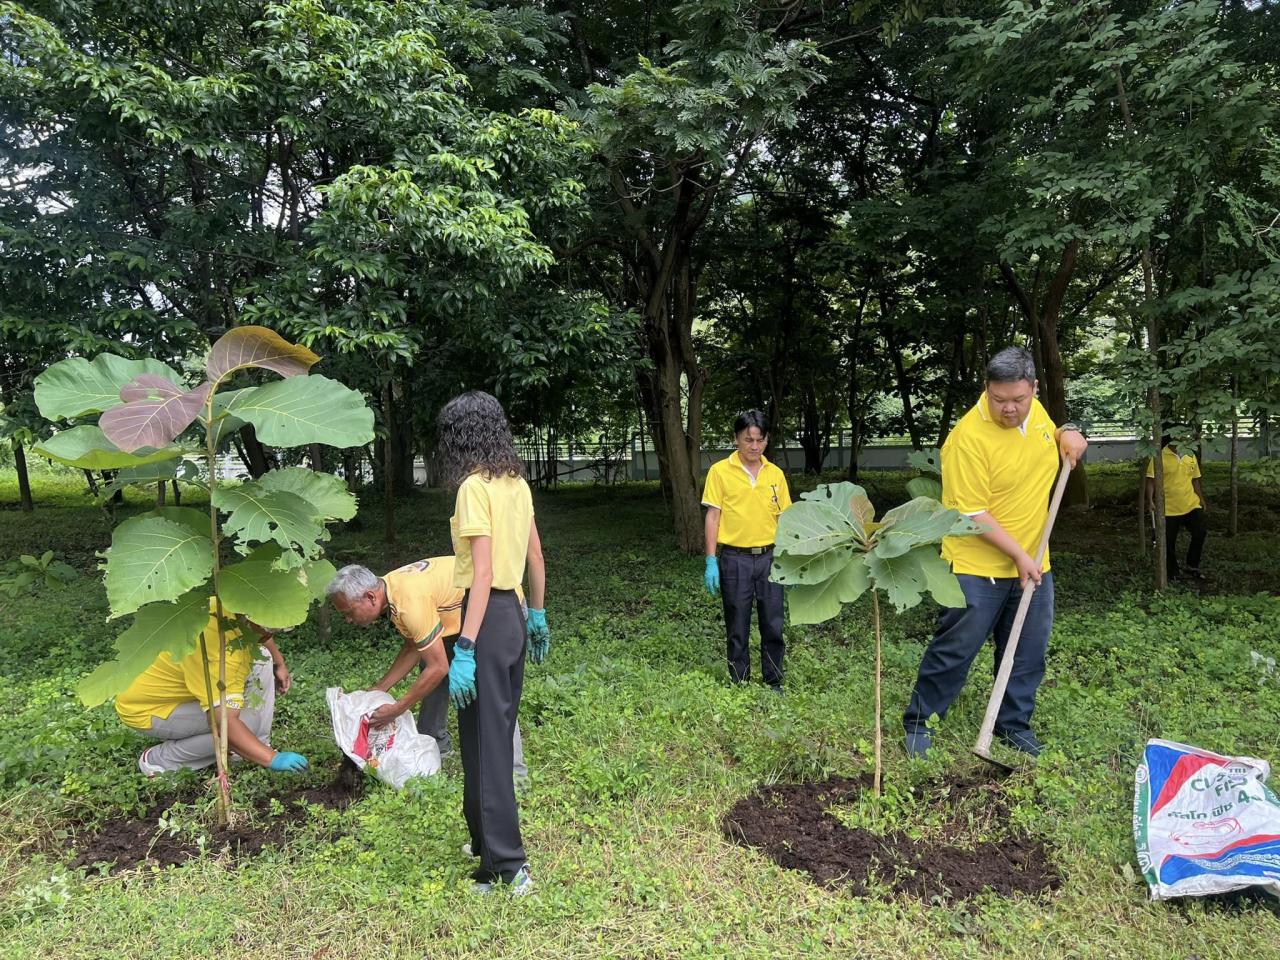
[1184, 505]
[424, 606]
[170, 702]
[999, 464]
[743, 495]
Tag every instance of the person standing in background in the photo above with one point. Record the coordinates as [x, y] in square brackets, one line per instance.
[744, 494]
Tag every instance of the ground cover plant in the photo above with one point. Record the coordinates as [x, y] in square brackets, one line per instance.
[638, 751]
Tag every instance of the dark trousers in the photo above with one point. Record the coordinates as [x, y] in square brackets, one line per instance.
[1195, 523]
[744, 579]
[959, 636]
[485, 730]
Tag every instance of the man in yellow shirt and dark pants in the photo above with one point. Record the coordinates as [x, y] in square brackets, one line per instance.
[1184, 506]
[744, 494]
[998, 467]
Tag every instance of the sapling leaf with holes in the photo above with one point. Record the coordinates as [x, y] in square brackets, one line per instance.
[830, 551]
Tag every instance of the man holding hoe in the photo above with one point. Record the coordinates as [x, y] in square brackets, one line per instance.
[424, 606]
[999, 464]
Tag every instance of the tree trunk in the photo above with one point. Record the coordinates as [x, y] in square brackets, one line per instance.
[388, 470]
[177, 495]
[159, 493]
[953, 387]
[256, 457]
[1233, 514]
[1144, 541]
[1153, 348]
[24, 480]
[904, 390]
[92, 481]
[668, 327]
[813, 439]
[1042, 319]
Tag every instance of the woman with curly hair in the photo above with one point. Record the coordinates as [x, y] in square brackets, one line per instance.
[494, 538]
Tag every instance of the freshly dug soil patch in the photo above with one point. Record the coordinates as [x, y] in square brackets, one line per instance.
[790, 824]
[127, 842]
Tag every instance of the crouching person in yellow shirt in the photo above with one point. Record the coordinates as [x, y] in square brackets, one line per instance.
[170, 702]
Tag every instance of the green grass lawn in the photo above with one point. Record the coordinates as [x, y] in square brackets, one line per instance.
[637, 748]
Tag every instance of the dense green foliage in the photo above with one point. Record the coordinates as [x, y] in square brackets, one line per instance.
[637, 746]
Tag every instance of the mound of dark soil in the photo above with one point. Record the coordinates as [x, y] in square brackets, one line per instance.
[126, 842]
[790, 824]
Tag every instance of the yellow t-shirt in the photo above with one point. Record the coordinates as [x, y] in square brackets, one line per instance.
[159, 689]
[1007, 472]
[749, 506]
[500, 508]
[1180, 497]
[423, 601]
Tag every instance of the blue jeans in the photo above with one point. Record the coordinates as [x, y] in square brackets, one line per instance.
[960, 634]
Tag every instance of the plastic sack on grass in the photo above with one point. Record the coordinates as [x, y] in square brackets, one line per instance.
[395, 752]
[1204, 823]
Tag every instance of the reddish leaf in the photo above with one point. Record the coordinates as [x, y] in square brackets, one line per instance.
[257, 347]
[153, 423]
[149, 386]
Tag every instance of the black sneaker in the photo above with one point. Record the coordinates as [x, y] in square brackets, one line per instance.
[1024, 741]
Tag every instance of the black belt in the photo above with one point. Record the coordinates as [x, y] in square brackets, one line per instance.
[754, 551]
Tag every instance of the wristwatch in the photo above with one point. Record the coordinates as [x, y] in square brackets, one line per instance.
[1073, 426]
[465, 643]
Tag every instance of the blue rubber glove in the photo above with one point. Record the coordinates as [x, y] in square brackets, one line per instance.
[286, 762]
[462, 677]
[538, 637]
[712, 576]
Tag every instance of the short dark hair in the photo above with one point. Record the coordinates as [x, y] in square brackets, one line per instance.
[1011, 365]
[751, 418]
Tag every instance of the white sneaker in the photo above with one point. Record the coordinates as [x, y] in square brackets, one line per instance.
[148, 768]
[522, 883]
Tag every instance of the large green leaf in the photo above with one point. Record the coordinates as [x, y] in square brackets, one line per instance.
[928, 460]
[79, 387]
[224, 424]
[270, 598]
[87, 448]
[810, 527]
[252, 346]
[790, 569]
[848, 499]
[929, 487]
[815, 603]
[259, 516]
[318, 574]
[150, 474]
[942, 583]
[916, 522]
[900, 577]
[157, 628]
[153, 559]
[302, 410]
[196, 520]
[327, 493]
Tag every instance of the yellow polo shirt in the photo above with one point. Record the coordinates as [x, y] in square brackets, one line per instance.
[423, 602]
[1007, 472]
[500, 508]
[159, 689]
[1180, 497]
[749, 506]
